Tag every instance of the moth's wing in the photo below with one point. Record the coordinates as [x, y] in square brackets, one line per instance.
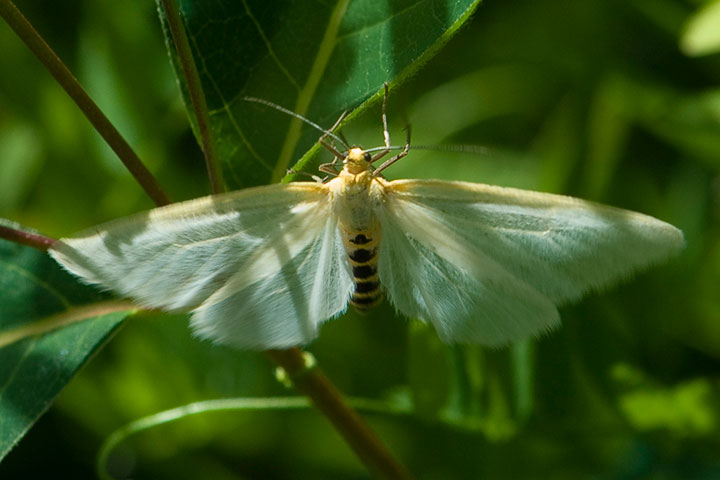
[488, 264]
[260, 268]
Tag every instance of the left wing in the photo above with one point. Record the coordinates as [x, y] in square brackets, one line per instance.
[260, 268]
[488, 264]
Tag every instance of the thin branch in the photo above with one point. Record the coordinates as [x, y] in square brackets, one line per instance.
[312, 382]
[97, 118]
[197, 96]
[35, 240]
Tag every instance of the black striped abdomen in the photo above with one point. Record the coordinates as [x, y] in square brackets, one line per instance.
[362, 249]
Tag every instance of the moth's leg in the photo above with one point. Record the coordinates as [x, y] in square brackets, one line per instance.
[397, 157]
[292, 171]
[332, 149]
[337, 123]
[342, 137]
[329, 168]
[322, 140]
[326, 167]
[332, 167]
[386, 133]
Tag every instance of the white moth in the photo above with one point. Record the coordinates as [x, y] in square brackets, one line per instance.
[264, 267]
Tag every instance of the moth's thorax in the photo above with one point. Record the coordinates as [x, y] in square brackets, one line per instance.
[356, 195]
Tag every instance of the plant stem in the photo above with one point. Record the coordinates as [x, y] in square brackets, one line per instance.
[326, 397]
[97, 118]
[197, 96]
[35, 240]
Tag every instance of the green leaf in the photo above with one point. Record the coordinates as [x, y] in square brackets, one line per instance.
[687, 408]
[317, 60]
[702, 34]
[36, 295]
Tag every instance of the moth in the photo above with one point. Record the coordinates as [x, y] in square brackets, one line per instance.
[264, 267]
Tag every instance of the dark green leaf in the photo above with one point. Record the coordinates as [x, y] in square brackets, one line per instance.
[34, 369]
[315, 59]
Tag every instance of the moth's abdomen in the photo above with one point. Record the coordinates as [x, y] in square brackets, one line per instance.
[362, 250]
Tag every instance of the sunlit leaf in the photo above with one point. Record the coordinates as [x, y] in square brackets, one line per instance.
[687, 409]
[702, 34]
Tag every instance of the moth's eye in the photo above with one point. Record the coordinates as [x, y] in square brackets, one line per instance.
[367, 157]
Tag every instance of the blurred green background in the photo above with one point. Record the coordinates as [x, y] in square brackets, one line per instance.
[612, 100]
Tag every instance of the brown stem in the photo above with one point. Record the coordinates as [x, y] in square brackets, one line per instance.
[35, 240]
[97, 118]
[313, 383]
[197, 96]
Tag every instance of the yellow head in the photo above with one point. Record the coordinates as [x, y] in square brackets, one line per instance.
[357, 161]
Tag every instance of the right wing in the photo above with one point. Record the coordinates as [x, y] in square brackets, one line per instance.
[259, 268]
[489, 264]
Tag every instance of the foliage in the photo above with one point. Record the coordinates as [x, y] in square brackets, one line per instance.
[36, 368]
[596, 99]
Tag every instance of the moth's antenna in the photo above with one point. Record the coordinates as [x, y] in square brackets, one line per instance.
[299, 117]
[391, 147]
[473, 149]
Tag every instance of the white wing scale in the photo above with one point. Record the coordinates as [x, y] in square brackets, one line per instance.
[488, 264]
[261, 268]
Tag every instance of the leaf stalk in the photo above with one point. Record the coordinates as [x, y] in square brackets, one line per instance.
[197, 95]
[29, 239]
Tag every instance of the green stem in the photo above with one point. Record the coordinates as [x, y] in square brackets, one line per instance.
[174, 414]
[221, 405]
[197, 96]
[97, 118]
